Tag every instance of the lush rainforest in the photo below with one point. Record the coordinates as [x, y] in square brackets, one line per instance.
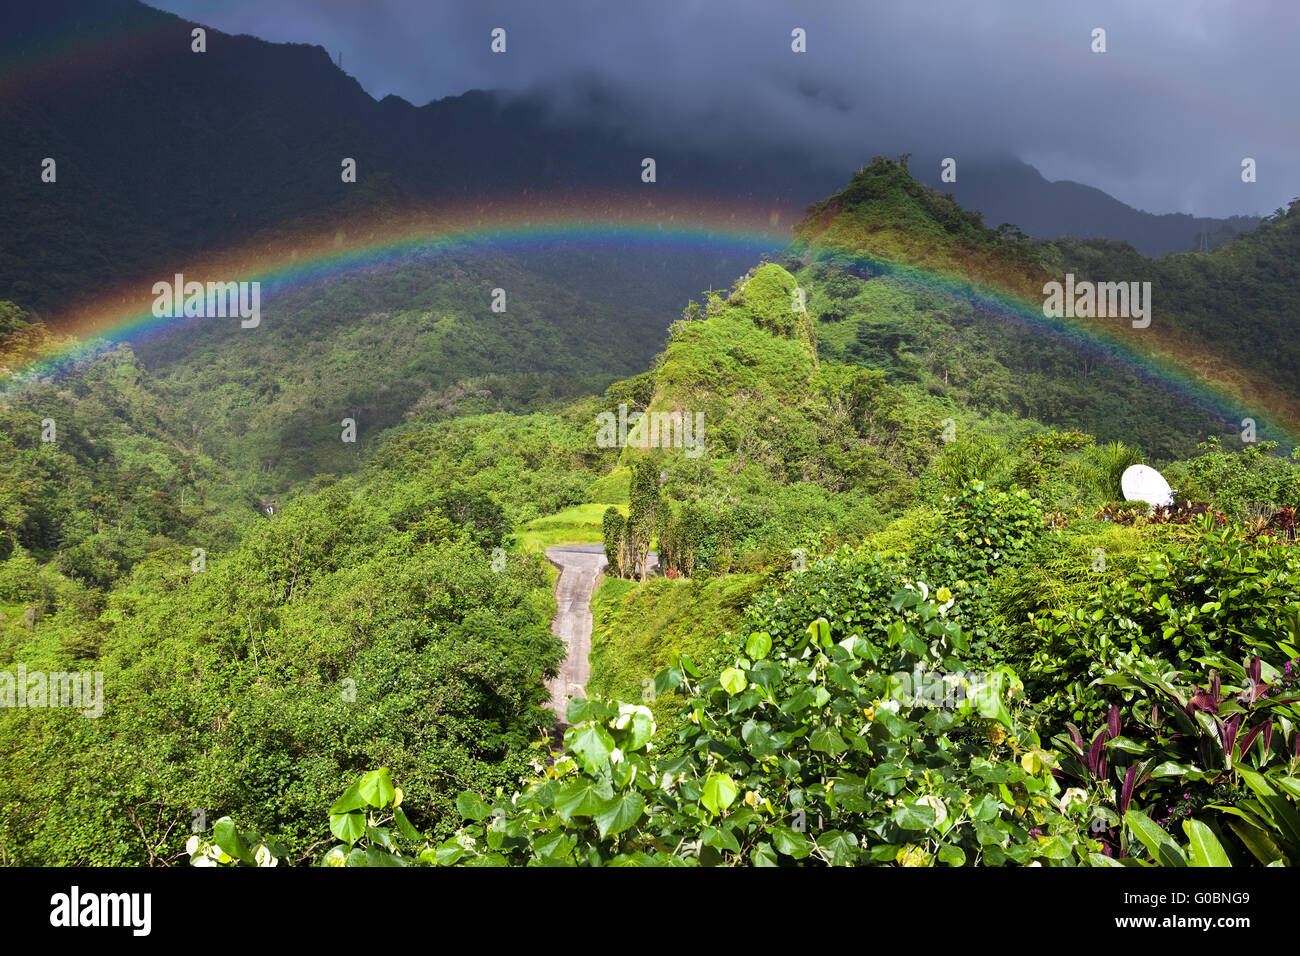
[903, 614]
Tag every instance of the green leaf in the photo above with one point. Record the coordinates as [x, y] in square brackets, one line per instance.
[377, 857]
[582, 797]
[820, 631]
[351, 799]
[376, 788]
[618, 813]
[722, 839]
[1259, 842]
[720, 792]
[1289, 784]
[827, 740]
[904, 599]
[1281, 809]
[1203, 846]
[591, 744]
[952, 855]
[763, 855]
[1171, 769]
[840, 848]
[1158, 843]
[448, 852]
[1101, 859]
[1126, 745]
[404, 825]
[348, 827]
[639, 731]
[666, 680]
[790, 842]
[580, 710]
[226, 836]
[471, 807]
[914, 816]
[758, 646]
[1053, 848]
[733, 680]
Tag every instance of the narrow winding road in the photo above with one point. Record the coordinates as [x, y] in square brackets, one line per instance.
[580, 567]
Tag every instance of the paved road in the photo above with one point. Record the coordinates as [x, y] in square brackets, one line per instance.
[580, 566]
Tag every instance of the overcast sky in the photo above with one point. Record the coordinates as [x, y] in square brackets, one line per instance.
[1162, 120]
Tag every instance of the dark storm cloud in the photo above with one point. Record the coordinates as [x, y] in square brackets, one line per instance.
[1161, 121]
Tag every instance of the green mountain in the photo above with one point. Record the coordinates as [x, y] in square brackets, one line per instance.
[1222, 315]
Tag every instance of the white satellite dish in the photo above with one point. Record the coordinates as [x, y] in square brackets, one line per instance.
[1144, 483]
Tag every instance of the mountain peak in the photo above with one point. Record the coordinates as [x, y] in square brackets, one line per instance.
[883, 213]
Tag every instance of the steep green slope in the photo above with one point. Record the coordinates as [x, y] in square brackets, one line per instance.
[640, 628]
[785, 448]
[369, 620]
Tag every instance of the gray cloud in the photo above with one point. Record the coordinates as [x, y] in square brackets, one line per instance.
[1161, 121]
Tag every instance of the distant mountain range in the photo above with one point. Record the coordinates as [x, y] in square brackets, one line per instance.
[162, 153]
[1011, 191]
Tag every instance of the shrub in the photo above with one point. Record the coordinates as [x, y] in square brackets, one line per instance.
[1252, 483]
[1218, 598]
[810, 757]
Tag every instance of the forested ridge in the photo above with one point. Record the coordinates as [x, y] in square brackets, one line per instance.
[905, 616]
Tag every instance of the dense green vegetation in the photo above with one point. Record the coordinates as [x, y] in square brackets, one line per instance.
[904, 616]
[867, 738]
[364, 623]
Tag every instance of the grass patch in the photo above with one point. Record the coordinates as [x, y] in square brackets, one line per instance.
[616, 486]
[577, 525]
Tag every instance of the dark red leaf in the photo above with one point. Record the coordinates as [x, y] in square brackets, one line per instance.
[1228, 732]
[1249, 737]
[1097, 762]
[1126, 791]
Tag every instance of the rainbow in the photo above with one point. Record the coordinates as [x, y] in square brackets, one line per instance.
[285, 261]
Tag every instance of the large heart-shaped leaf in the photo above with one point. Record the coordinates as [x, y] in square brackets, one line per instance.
[470, 806]
[618, 813]
[719, 793]
[733, 680]
[226, 836]
[582, 797]
[377, 789]
[348, 827]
